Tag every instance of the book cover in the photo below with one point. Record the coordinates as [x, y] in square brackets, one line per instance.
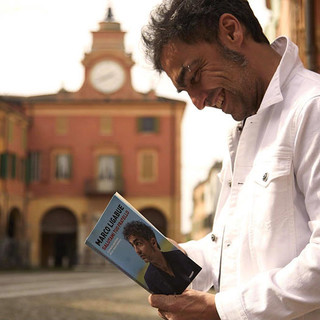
[130, 242]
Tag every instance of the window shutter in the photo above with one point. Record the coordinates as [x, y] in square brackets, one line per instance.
[4, 165]
[13, 166]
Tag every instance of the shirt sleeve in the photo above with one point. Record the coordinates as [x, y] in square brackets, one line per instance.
[199, 251]
[292, 291]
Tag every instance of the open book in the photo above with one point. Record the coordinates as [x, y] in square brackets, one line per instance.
[129, 241]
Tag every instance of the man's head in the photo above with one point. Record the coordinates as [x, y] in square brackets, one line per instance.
[194, 21]
[142, 239]
[213, 50]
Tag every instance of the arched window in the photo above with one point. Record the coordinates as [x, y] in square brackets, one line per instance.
[14, 225]
[156, 217]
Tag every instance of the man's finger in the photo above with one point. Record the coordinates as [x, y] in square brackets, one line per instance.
[160, 301]
[155, 300]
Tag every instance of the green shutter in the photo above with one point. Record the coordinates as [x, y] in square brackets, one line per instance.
[13, 166]
[4, 165]
[22, 170]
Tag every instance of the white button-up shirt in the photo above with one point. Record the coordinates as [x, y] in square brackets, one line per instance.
[265, 258]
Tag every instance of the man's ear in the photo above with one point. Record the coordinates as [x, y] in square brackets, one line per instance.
[230, 31]
[154, 242]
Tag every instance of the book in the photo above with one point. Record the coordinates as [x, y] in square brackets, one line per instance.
[129, 241]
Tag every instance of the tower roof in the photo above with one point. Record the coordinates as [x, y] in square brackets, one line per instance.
[109, 22]
[109, 15]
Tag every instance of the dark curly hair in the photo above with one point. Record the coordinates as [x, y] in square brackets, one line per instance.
[140, 229]
[192, 21]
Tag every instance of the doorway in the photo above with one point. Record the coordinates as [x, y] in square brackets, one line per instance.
[58, 239]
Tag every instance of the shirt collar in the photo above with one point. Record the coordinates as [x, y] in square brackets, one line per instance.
[289, 52]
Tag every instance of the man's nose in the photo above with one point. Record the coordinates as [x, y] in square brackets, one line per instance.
[137, 249]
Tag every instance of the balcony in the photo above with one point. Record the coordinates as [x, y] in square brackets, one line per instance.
[97, 187]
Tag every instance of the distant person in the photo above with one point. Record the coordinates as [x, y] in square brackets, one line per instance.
[168, 272]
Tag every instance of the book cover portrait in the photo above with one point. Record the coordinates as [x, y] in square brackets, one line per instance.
[129, 241]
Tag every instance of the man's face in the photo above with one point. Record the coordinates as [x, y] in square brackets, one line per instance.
[213, 76]
[146, 249]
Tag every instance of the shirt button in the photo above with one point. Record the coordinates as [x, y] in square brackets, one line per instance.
[265, 177]
[213, 237]
[229, 183]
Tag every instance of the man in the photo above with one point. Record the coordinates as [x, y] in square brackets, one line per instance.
[263, 256]
[168, 272]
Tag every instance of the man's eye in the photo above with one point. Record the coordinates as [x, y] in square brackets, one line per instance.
[196, 77]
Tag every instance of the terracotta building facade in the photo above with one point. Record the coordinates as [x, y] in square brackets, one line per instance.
[84, 146]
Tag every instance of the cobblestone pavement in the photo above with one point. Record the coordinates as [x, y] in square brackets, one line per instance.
[108, 295]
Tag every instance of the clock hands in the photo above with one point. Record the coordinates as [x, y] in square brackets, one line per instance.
[105, 76]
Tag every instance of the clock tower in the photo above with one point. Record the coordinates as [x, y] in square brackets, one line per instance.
[86, 145]
[107, 65]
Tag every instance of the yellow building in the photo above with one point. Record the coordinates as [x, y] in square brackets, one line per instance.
[300, 21]
[205, 200]
[14, 244]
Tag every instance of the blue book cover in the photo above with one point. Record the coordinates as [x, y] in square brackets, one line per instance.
[129, 241]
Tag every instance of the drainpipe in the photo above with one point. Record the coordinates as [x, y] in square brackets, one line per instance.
[310, 35]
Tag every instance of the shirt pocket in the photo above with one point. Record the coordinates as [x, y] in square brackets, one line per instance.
[272, 222]
[273, 175]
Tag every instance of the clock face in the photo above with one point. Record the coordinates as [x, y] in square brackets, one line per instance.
[107, 76]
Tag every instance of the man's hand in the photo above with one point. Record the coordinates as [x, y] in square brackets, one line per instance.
[189, 305]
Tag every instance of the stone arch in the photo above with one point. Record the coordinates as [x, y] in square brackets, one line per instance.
[15, 224]
[58, 238]
[14, 247]
[156, 217]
